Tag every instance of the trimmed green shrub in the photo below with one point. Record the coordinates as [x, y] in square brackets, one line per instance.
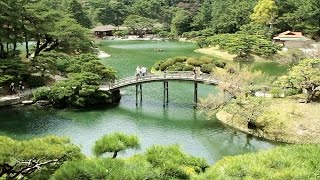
[276, 92]
[206, 59]
[167, 63]
[41, 93]
[178, 66]
[157, 65]
[180, 59]
[220, 64]
[207, 68]
[187, 68]
[194, 62]
[291, 92]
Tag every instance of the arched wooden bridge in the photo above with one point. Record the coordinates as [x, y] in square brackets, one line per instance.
[165, 77]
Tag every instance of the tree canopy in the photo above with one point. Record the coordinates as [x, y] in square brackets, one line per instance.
[19, 159]
[115, 142]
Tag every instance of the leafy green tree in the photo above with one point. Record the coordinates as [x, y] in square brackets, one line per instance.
[243, 44]
[203, 17]
[265, 12]
[229, 15]
[112, 12]
[153, 9]
[235, 83]
[256, 29]
[181, 22]
[138, 24]
[248, 109]
[20, 159]
[305, 75]
[115, 142]
[79, 14]
[173, 163]
[157, 163]
[106, 168]
[301, 16]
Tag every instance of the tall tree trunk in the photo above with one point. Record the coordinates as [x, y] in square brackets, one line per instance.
[115, 154]
[41, 47]
[15, 45]
[27, 45]
[1, 47]
[37, 51]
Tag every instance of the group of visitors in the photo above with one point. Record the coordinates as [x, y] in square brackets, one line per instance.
[12, 88]
[141, 71]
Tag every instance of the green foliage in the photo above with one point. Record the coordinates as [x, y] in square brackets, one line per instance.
[300, 16]
[276, 92]
[80, 90]
[110, 12]
[194, 61]
[187, 63]
[22, 158]
[78, 14]
[187, 68]
[249, 109]
[115, 142]
[173, 163]
[105, 168]
[181, 22]
[86, 72]
[288, 162]
[121, 33]
[265, 12]
[305, 75]
[256, 29]
[207, 68]
[139, 24]
[244, 45]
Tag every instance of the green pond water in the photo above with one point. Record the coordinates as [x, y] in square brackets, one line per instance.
[179, 123]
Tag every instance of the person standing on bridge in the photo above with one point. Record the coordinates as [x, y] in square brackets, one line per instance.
[143, 71]
[12, 88]
[194, 72]
[138, 70]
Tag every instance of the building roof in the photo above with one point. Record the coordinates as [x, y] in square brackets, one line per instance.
[108, 27]
[291, 36]
[104, 28]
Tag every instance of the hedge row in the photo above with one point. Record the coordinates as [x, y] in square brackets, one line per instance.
[182, 63]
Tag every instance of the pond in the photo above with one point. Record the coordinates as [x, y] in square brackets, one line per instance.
[179, 123]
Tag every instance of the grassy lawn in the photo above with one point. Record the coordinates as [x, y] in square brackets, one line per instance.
[222, 54]
[285, 120]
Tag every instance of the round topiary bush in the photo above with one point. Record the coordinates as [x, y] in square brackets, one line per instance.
[206, 59]
[178, 66]
[187, 68]
[180, 59]
[220, 64]
[194, 62]
[166, 64]
[207, 68]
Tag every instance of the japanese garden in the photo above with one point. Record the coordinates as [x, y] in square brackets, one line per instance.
[159, 89]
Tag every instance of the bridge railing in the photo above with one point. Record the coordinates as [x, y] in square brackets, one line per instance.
[166, 75]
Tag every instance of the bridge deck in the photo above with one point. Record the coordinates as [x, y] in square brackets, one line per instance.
[169, 76]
